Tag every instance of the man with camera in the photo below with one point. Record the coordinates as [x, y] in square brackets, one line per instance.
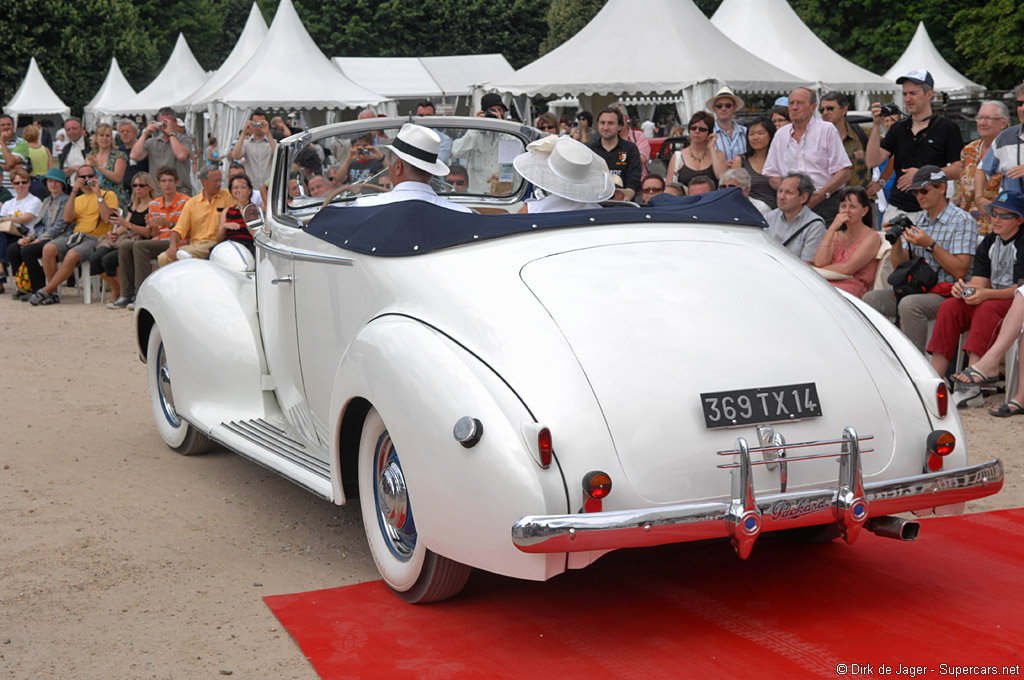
[923, 138]
[944, 236]
[165, 143]
[255, 148]
[363, 162]
[477, 150]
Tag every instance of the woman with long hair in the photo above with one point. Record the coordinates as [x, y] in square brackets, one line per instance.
[130, 225]
[109, 161]
[850, 244]
[759, 138]
[700, 157]
[40, 159]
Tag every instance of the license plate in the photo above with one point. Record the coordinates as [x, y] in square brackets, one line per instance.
[760, 405]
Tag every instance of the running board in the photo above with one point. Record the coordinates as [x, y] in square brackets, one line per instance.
[273, 447]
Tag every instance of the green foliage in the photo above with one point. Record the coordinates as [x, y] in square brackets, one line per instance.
[989, 37]
[565, 18]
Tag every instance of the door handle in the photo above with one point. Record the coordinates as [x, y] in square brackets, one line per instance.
[283, 279]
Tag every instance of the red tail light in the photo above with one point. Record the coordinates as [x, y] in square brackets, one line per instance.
[940, 444]
[596, 486]
[942, 398]
[544, 445]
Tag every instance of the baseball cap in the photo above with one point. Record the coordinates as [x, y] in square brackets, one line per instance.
[925, 175]
[919, 76]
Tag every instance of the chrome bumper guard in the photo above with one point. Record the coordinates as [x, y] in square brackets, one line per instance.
[743, 517]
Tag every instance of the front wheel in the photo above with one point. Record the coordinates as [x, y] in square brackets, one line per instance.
[175, 432]
[413, 572]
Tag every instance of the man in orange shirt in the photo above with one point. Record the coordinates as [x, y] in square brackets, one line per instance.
[134, 257]
[200, 218]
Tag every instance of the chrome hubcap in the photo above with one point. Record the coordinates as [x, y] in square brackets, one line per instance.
[394, 513]
[163, 383]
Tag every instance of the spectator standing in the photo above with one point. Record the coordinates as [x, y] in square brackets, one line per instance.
[363, 162]
[426, 108]
[45, 138]
[702, 156]
[547, 123]
[993, 117]
[109, 161]
[77, 148]
[458, 178]
[923, 138]
[643, 144]
[164, 143]
[477, 150]
[812, 147]
[130, 226]
[793, 223]
[22, 210]
[128, 134]
[134, 257]
[979, 305]
[834, 107]
[759, 139]
[584, 132]
[51, 225]
[14, 149]
[1005, 155]
[730, 136]
[60, 140]
[200, 218]
[850, 244]
[39, 159]
[780, 112]
[211, 156]
[740, 179]
[945, 236]
[90, 209]
[648, 127]
[620, 155]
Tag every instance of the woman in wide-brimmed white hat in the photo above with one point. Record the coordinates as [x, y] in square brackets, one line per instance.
[571, 175]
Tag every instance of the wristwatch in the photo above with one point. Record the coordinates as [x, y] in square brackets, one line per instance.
[931, 247]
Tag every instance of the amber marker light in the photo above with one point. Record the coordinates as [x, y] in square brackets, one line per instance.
[596, 485]
[940, 444]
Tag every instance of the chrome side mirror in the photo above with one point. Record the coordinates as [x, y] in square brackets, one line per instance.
[255, 219]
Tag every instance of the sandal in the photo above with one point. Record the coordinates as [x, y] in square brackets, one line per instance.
[974, 377]
[51, 299]
[1010, 408]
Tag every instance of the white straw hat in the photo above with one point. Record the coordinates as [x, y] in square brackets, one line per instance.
[564, 167]
[726, 91]
[418, 146]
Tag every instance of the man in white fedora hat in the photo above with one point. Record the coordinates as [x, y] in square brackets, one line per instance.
[413, 161]
[572, 176]
[732, 137]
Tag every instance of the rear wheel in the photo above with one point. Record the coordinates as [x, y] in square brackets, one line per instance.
[175, 432]
[413, 572]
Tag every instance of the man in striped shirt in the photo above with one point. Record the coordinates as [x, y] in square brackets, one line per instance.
[135, 258]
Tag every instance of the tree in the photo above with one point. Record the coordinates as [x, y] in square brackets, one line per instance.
[989, 37]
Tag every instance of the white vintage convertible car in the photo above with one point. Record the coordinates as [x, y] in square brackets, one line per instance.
[525, 393]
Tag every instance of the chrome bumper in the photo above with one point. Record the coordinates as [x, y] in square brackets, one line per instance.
[743, 517]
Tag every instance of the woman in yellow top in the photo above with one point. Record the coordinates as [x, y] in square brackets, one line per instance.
[41, 161]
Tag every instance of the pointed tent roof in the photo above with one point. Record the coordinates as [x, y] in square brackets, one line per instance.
[35, 96]
[773, 31]
[181, 76]
[289, 70]
[252, 36]
[414, 77]
[114, 90]
[602, 58]
[921, 53]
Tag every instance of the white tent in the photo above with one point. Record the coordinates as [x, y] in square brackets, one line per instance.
[181, 76]
[421, 77]
[114, 90]
[773, 31]
[605, 58]
[251, 37]
[921, 53]
[288, 71]
[35, 96]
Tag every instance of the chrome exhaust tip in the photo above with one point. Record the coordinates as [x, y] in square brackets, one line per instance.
[894, 527]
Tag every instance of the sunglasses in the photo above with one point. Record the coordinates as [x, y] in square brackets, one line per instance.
[923, 190]
[651, 190]
[331, 178]
[85, 176]
[140, 186]
[698, 128]
[1003, 215]
[1020, 103]
[823, 109]
[21, 182]
[548, 127]
[724, 105]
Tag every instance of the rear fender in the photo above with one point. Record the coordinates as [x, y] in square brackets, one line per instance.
[208, 323]
[464, 500]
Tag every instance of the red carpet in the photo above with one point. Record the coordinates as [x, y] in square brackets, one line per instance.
[952, 597]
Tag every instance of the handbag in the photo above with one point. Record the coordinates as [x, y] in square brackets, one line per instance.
[22, 280]
[9, 227]
[912, 277]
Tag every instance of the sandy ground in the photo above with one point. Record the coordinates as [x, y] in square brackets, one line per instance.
[122, 559]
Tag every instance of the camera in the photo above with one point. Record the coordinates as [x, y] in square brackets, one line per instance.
[364, 152]
[896, 228]
[159, 124]
[968, 291]
[891, 110]
[87, 182]
[257, 125]
[493, 112]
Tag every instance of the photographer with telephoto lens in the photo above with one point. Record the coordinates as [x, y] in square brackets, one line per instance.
[944, 236]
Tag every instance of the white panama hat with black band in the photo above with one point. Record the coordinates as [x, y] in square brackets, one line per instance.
[418, 146]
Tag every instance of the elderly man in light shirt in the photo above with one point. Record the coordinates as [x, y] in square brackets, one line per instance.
[814, 148]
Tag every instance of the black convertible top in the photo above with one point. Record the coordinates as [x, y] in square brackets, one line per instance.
[416, 227]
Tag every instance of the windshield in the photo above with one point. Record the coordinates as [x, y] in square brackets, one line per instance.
[339, 168]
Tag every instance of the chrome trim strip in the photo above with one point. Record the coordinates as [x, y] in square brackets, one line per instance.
[306, 255]
[698, 521]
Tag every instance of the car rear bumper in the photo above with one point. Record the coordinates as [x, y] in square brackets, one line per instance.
[743, 517]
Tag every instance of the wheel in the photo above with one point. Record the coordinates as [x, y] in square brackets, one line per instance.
[413, 572]
[175, 432]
